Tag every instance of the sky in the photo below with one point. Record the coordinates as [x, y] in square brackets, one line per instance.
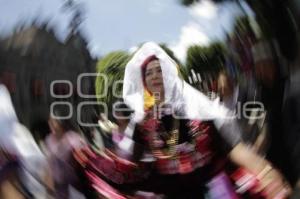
[111, 25]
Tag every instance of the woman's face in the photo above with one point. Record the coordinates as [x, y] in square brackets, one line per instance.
[153, 78]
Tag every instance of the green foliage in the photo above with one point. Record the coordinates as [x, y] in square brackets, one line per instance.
[111, 66]
[205, 59]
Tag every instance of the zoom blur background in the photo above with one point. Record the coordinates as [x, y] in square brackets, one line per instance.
[219, 45]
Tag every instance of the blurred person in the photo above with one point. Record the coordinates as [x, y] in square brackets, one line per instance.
[187, 151]
[244, 100]
[90, 130]
[113, 130]
[19, 151]
[291, 115]
[122, 118]
[270, 85]
[62, 145]
[97, 137]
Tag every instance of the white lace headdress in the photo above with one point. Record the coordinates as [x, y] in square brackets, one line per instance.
[191, 103]
[179, 95]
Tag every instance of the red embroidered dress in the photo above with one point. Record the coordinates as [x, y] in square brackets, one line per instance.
[175, 153]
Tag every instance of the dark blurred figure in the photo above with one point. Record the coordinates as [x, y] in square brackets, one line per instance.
[271, 87]
[291, 115]
[241, 98]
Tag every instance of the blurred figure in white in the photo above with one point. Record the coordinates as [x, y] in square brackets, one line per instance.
[17, 141]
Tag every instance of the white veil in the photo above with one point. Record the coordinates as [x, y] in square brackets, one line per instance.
[8, 119]
[179, 95]
[191, 103]
[13, 135]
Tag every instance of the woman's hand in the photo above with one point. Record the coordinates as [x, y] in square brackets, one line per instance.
[272, 183]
